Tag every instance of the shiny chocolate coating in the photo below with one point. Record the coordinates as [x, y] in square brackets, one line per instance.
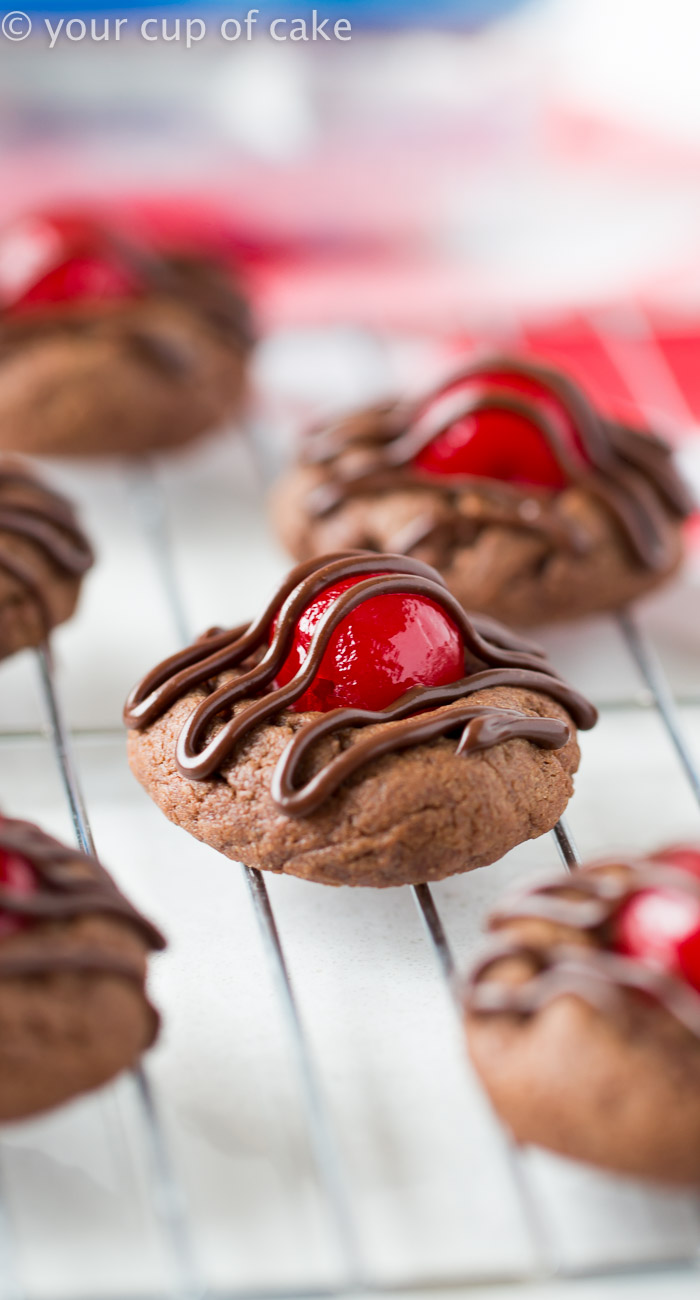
[493, 657]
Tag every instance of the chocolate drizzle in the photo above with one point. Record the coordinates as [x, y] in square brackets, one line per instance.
[630, 472]
[197, 283]
[70, 885]
[34, 513]
[230, 711]
[588, 904]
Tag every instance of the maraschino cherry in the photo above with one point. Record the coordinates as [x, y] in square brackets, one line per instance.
[49, 261]
[661, 926]
[498, 444]
[381, 649]
[17, 876]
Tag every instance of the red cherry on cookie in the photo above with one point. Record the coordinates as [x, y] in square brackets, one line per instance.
[497, 444]
[661, 927]
[57, 260]
[379, 650]
[18, 876]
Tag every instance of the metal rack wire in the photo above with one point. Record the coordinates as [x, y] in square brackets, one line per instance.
[168, 1197]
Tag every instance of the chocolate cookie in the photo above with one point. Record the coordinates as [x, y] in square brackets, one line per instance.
[583, 1018]
[108, 348]
[530, 504]
[363, 731]
[43, 557]
[73, 1005]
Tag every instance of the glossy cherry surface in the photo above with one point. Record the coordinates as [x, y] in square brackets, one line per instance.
[661, 926]
[17, 875]
[498, 443]
[379, 651]
[52, 261]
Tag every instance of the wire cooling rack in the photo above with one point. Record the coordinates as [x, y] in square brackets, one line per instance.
[324, 1137]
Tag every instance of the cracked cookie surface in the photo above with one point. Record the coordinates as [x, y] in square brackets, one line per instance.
[408, 817]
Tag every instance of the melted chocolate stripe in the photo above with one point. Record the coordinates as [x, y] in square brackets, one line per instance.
[597, 978]
[207, 658]
[653, 459]
[69, 551]
[482, 728]
[200, 283]
[588, 903]
[497, 634]
[494, 657]
[598, 897]
[462, 526]
[507, 508]
[633, 475]
[639, 515]
[202, 763]
[416, 439]
[63, 894]
[58, 508]
[325, 442]
[49, 524]
[585, 418]
[219, 653]
[499, 724]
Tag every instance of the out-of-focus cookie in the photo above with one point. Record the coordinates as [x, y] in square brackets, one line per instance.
[109, 347]
[531, 505]
[44, 556]
[73, 1005]
[583, 1016]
